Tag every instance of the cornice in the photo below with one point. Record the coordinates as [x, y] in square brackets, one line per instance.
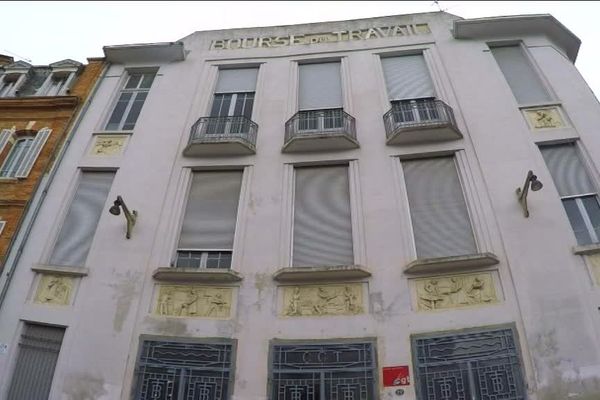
[38, 102]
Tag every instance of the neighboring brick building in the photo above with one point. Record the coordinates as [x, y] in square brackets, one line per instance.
[38, 105]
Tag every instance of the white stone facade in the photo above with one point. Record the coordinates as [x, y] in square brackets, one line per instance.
[538, 285]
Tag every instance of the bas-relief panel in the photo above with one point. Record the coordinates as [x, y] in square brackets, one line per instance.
[443, 292]
[194, 301]
[54, 289]
[543, 118]
[108, 145]
[316, 300]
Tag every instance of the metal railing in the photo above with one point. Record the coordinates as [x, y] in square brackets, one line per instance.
[320, 122]
[224, 129]
[416, 114]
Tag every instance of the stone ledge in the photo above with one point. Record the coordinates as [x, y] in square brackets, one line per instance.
[451, 264]
[60, 270]
[171, 274]
[321, 273]
[587, 249]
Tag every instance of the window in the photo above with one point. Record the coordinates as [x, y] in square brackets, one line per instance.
[522, 78]
[130, 102]
[56, 84]
[475, 365]
[231, 111]
[182, 371]
[438, 211]
[36, 360]
[208, 229]
[76, 234]
[320, 96]
[322, 217]
[340, 371]
[9, 83]
[410, 89]
[23, 154]
[578, 194]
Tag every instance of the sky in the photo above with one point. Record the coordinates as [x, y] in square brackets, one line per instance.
[48, 31]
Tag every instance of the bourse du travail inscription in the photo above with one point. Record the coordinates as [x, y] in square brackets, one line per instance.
[322, 300]
[327, 37]
[54, 289]
[456, 291]
[194, 301]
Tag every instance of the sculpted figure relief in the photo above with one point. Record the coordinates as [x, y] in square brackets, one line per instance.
[106, 145]
[54, 289]
[194, 301]
[323, 300]
[455, 291]
[545, 118]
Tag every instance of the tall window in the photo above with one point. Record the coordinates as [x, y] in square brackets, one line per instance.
[475, 365]
[410, 89]
[320, 96]
[206, 239]
[578, 194]
[522, 78]
[184, 371]
[36, 360]
[78, 229]
[231, 110]
[130, 101]
[23, 154]
[322, 217]
[438, 211]
[340, 371]
[56, 84]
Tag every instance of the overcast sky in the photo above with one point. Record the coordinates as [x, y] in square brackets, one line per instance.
[49, 31]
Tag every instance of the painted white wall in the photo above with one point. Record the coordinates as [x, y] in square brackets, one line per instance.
[548, 291]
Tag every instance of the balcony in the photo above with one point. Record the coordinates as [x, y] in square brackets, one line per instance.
[320, 130]
[222, 136]
[423, 120]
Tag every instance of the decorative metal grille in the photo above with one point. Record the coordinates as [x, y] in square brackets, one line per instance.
[323, 372]
[184, 371]
[481, 365]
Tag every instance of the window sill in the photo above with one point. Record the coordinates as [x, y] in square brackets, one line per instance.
[60, 270]
[453, 263]
[112, 133]
[587, 249]
[171, 274]
[8, 180]
[554, 103]
[321, 273]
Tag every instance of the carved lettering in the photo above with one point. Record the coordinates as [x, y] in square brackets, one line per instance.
[372, 32]
[296, 39]
[218, 45]
[382, 33]
[245, 44]
[280, 41]
[355, 35]
[339, 35]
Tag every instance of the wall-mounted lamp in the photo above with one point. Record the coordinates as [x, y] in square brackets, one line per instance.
[129, 216]
[536, 185]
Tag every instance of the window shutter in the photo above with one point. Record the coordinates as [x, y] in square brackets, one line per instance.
[407, 77]
[520, 75]
[33, 153]
[36, 360]
[5, 135]
[322, 217]
[438, 211]
[237, 80]
[568, 173]
[320, 86]
[211, 211]
[79, 226]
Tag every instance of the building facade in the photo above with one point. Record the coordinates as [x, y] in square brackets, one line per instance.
[343, 210]
[38, 104]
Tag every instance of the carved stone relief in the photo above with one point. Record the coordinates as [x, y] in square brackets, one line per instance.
[108, 145]
[542, 118]
[456, 291]
[194, 301]
[54, 289]
[318, 300]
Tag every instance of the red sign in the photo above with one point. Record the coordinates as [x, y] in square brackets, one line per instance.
[396, 376]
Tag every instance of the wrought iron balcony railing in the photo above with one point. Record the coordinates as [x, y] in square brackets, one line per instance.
[418, 115]
[331, 123]
[224, 130]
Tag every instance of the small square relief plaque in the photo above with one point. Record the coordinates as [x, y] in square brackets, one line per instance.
[544, 118]
[108, 145]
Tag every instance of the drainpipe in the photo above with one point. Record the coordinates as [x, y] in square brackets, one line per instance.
[11, 265]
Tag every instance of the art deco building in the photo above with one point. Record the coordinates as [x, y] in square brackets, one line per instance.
[38, 105]
[401, 207]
